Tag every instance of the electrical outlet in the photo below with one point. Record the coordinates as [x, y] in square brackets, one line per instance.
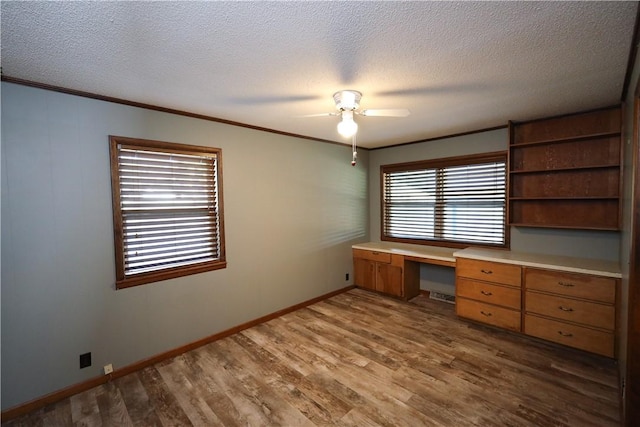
[85, 360]
[108, 369]
[346, 277]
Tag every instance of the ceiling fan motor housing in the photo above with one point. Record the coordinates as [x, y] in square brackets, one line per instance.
[347, 99]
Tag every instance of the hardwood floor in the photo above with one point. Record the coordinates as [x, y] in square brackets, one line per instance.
[357, 359]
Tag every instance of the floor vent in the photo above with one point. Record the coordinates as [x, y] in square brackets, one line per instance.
[439, 296]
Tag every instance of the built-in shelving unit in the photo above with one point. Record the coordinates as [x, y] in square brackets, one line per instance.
[565, 172]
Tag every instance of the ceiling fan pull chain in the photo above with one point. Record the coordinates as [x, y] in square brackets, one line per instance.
[353, 149]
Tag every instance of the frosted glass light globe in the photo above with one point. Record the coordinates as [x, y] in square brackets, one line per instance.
[347, 128]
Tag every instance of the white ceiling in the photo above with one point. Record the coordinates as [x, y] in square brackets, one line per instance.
[458, 66]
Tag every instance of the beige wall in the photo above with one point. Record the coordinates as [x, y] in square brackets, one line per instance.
[292, 207]
[579, 243]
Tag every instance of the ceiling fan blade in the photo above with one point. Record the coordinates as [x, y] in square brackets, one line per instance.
[272, 99]
[319, 115]
[388, 112]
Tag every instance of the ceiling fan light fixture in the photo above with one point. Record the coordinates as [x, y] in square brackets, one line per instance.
[347, 126]
[348, 104]
[347, 99]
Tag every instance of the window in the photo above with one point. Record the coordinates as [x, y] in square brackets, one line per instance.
[453, 202]
[167, 210]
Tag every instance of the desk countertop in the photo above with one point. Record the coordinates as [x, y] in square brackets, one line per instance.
[439, 253]
[552, 262]
[449, 255]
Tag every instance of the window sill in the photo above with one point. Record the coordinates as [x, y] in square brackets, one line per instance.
[141, 279]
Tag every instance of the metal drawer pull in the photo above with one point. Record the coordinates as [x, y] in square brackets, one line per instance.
[375, 253]
[486, 293]
[485, 313]
[565, 334]
[566, 284]
[486, 271]
[565, 308]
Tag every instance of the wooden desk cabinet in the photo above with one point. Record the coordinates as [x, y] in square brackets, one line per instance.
[386, 273]
[574, 309]
[539, 295]
[489, 292]
[578, 310]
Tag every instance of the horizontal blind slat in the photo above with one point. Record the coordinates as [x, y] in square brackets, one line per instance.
[135, 268]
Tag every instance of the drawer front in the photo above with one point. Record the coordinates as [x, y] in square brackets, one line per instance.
[507, 274]
[585, 312]
[487, 313]
[486, 292]
[372, 255]
[571, 335]
[571, 284]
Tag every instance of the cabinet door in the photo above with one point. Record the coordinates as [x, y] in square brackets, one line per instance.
[364, 273]
[389, 279]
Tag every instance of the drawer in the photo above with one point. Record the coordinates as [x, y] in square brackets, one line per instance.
[487, 313]
[575, 336]
[507, 274]
[487, 292]
[579, 311]
[372, 255]
[576, 285]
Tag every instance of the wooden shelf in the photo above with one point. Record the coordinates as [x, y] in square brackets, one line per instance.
[581, 213]
[568, 184]
[565, 172]
[567, 139]
[566, 198]
[573, 168]
[582, 154]
[516, 224]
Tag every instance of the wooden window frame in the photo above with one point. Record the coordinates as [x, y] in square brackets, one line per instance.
[122, 279]
[499, 156]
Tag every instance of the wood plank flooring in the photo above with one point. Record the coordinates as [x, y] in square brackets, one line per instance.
[357, 359]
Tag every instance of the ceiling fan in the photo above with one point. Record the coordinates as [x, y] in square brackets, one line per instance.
[348, 104]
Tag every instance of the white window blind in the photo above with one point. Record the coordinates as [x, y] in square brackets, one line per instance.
[168, 204]
[168, 207]
[462, 203]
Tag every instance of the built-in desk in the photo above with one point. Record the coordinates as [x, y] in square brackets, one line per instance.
[447, 256]
[567, 300]
[570, 301]
[394, 268]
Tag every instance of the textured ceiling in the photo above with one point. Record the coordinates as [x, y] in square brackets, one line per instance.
[458, 66]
